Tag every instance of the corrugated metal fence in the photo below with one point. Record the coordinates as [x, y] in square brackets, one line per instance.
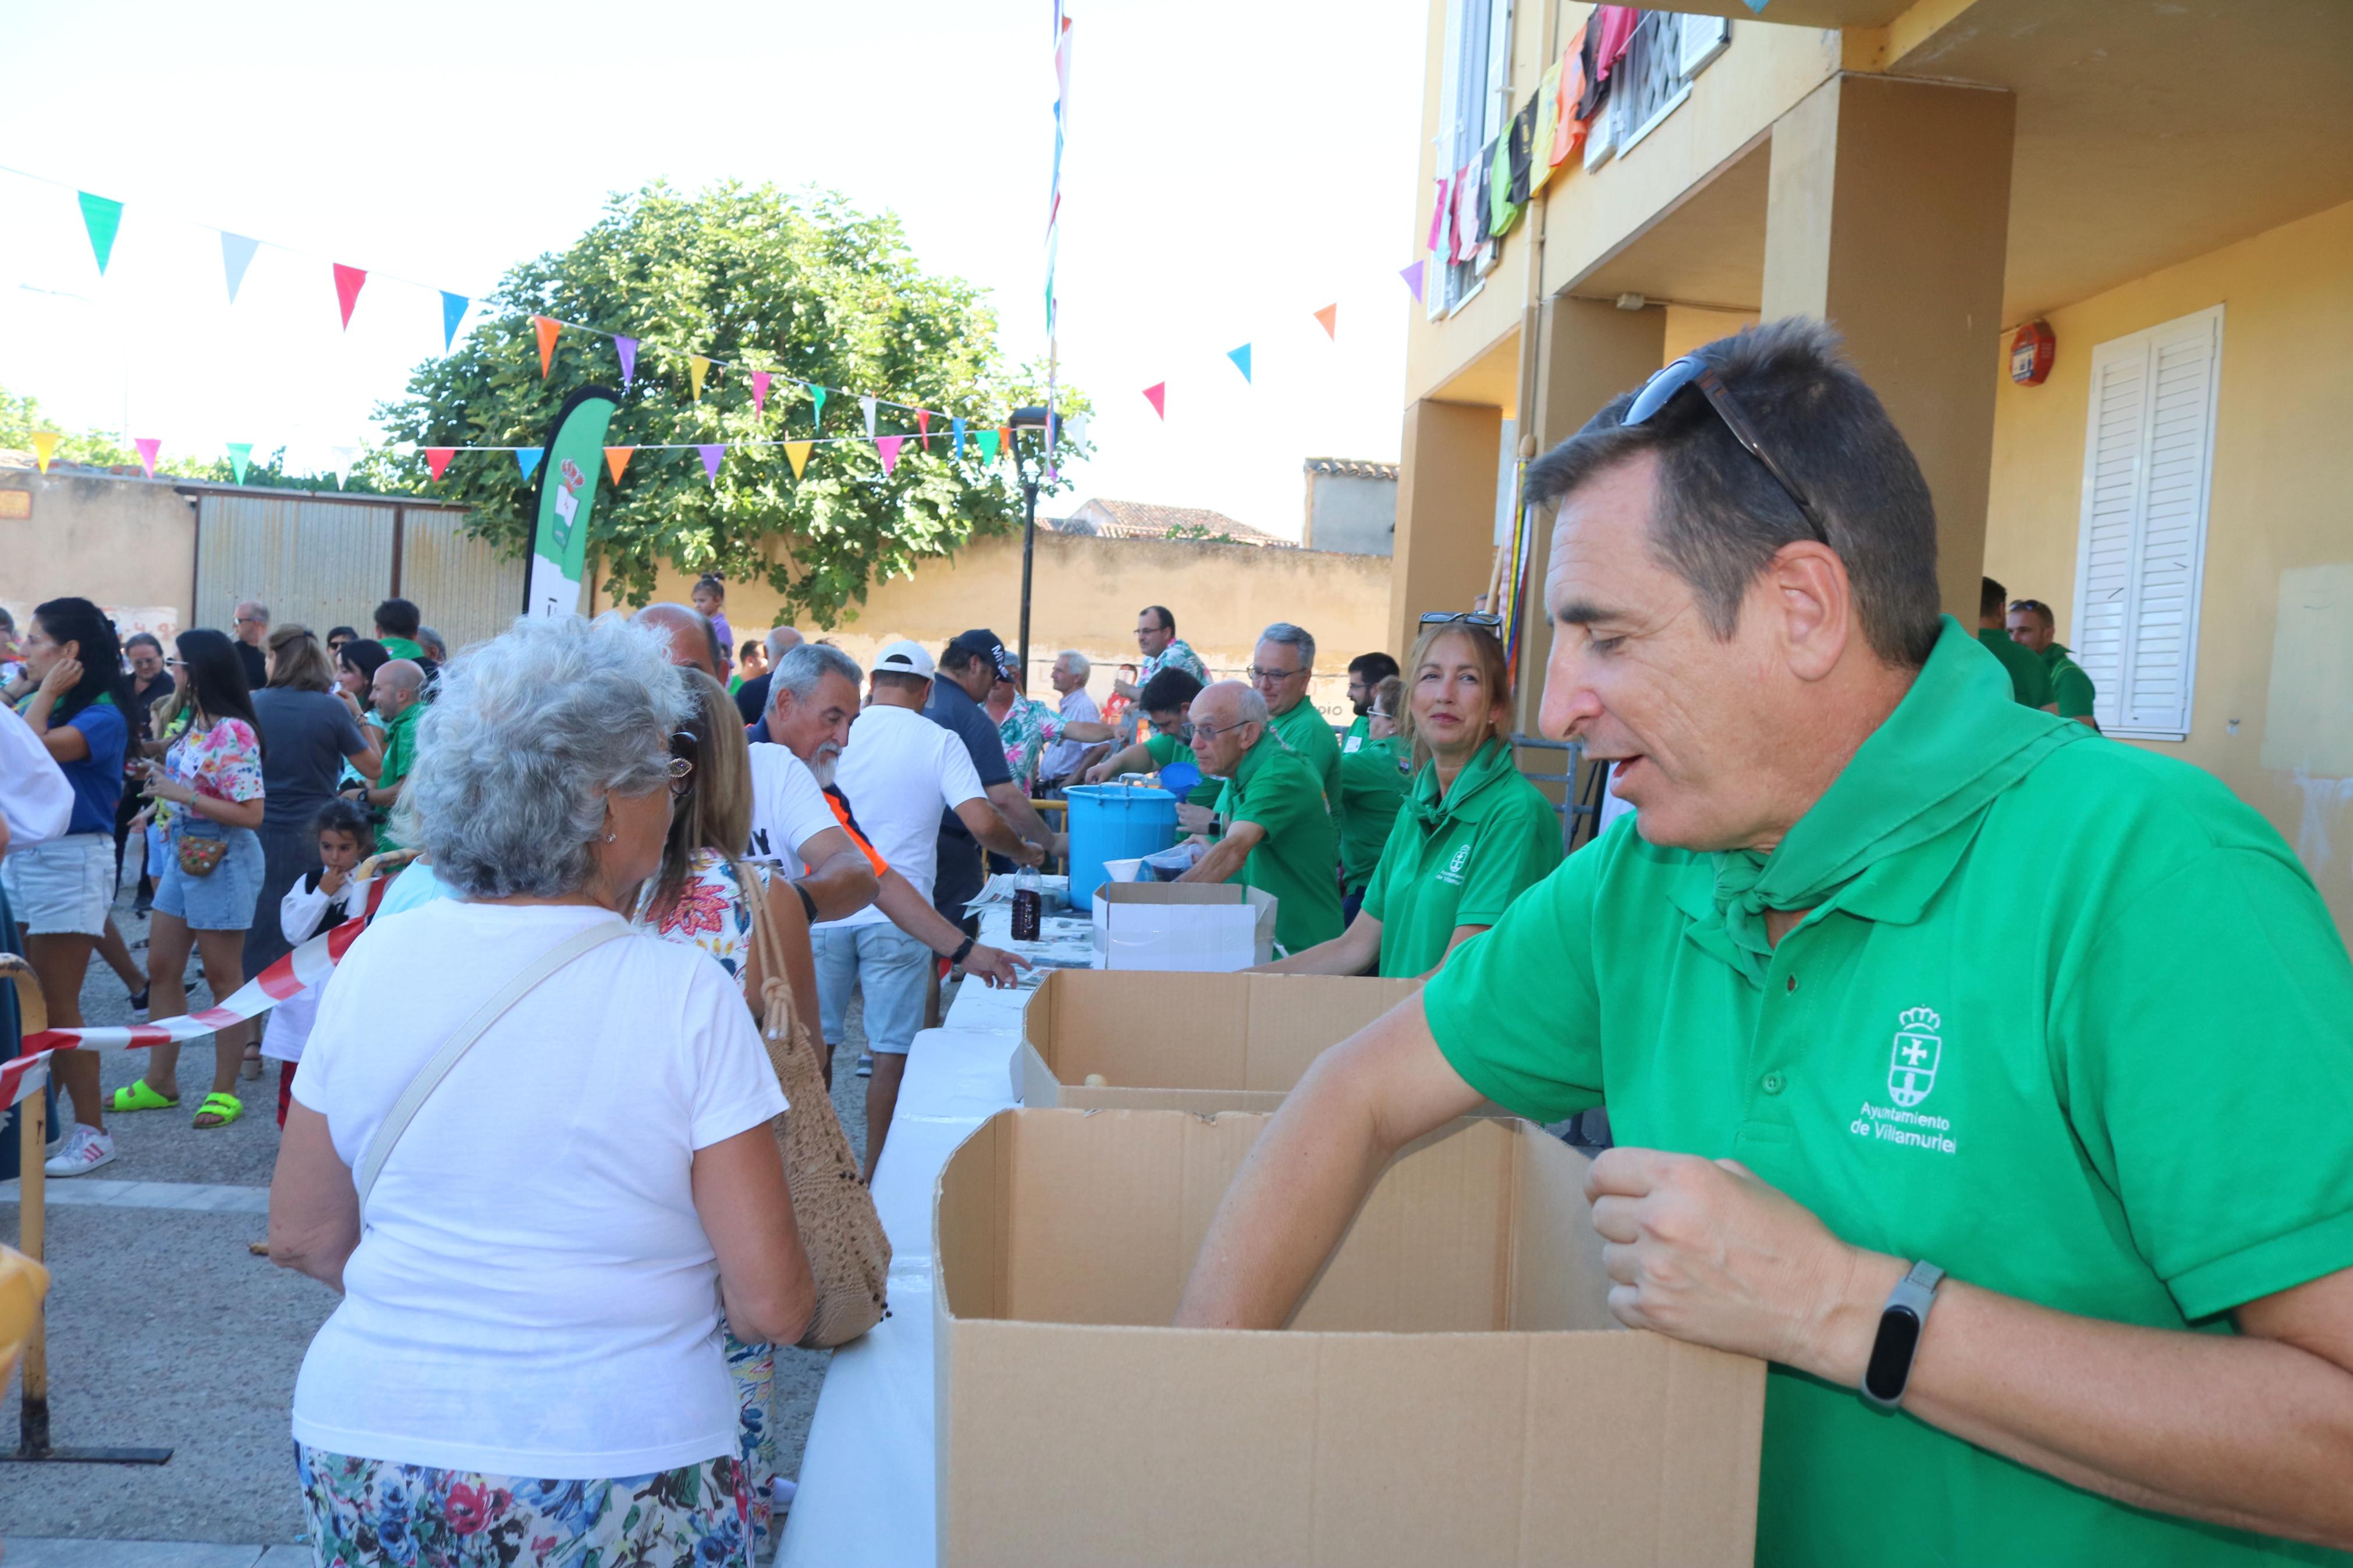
[326, 560]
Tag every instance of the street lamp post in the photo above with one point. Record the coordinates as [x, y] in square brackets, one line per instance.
[1033, 417]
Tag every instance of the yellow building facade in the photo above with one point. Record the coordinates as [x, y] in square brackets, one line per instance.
[2168, 189]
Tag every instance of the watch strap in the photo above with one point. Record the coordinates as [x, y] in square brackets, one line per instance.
[1901, 1322]
[959, 956]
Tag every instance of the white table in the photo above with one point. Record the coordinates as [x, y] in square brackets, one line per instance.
[867, 1481]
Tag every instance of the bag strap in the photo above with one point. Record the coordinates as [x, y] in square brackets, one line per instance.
[428, 1077]
[776, 988]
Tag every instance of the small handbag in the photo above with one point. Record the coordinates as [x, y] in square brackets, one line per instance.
[199, 854]
[849, 1255]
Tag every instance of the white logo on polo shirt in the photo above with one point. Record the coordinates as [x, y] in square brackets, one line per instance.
[1912, 1063]
[1454, 872]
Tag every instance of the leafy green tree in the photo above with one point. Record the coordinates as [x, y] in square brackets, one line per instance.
[800, 285]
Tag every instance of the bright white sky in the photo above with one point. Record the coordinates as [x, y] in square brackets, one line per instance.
[1234, 165]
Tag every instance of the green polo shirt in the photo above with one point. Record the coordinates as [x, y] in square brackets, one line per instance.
[2070, 687]
[1459, 859]
[1166, 748]
[401, 647]
[2028, 682]
[1298, 861]
[1305, 732]
[399, 757]
[2011, 1090]
[1374, 776]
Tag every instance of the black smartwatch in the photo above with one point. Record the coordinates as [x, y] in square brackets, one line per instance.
[958, 955]
[808, 904]
[1900, 1322]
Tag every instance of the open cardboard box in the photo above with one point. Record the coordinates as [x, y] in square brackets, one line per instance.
[1452, 1391]
[1202, 927]
[1186, 1042]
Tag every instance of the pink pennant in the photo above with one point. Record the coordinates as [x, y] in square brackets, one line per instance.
[148, 446]
[348, 280]
[1157, 396]
[436, 459]
[759, 391]
[711, 455]
[888, 447]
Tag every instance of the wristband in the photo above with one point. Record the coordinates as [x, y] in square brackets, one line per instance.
[1889, 1369]
[958, 955]
[808, 904]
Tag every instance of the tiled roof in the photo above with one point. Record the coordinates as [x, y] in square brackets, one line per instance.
[1352, 468]
[1146, 519]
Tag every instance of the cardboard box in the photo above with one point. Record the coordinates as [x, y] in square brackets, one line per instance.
[1186, 1042]
[1202, 927]
[1452, 1391]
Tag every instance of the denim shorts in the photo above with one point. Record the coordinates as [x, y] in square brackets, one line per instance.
[890, 967]
[63, 888]
[222, 902]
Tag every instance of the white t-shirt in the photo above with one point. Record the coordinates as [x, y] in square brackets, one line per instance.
[533, 1294]
[34, 795]
[899, 772]
[788, 809]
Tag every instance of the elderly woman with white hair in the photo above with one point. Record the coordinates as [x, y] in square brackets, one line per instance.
[531, 1147]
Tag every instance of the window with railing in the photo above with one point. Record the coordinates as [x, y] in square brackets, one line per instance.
[1651, 80]
[1474, 106]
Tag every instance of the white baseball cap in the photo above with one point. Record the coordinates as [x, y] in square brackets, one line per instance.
[904, 658]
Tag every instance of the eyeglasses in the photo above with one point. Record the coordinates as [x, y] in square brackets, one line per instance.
[1480, 618]
[1211, 731]
[682, 744]
[1269, 677]
[1690, 371]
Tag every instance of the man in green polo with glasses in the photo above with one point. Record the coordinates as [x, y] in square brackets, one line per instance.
[2042, 1212]
[1281, 670]
[1278, 832]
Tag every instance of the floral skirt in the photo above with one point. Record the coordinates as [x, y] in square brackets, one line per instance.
[367, 1512]
[753, 1370]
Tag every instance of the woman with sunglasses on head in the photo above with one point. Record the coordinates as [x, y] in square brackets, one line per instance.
[1471, 835]
[213, 868]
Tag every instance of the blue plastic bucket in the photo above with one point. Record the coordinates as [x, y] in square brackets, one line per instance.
[1114, 821]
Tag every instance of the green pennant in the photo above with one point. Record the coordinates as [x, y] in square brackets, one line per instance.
[987, 439]
[101, 217]
[817, 397]
[241, 453]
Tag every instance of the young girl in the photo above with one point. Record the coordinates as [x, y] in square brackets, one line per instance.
[321, 900]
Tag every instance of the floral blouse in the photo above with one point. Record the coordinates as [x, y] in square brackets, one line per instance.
[711, 913]
[223, 762]
[1029, 728]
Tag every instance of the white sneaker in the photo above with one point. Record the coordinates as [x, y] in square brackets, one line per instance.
[86, 1149]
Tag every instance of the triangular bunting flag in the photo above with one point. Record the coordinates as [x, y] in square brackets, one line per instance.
[1003, 439]
[816, 399]
[45, 442]
[348, 280]
[867, 404]
[1156, 395]
[923, 427]
[1412, 276]
[1240, 357]
[236, 255]
[989, 440]
[1074, 429]
[148, 447]
[697, 367]
[628, 348]
[955, 430]
[240, 454]
[453, 310]
[888, 447]
[1330, 316]
[711, 455]
[436, 459]
[527, 459]
[101, 217]
[616, 458]
[546, 327]
[797, 453]
[759, 391]
[344, 455]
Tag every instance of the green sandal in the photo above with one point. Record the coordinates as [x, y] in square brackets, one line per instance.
[139, 1097]
[227, 1107]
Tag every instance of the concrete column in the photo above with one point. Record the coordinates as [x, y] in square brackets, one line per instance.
[1587, 352]
[1887, 214]
[1446, 512]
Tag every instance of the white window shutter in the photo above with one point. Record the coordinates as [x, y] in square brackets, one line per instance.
[1705, 37]
[2147, 468]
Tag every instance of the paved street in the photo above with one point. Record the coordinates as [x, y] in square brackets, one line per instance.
[165, 1331]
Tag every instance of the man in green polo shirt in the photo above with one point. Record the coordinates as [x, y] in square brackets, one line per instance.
[394, 696]
[2029, 683]
[1280, 670]
[1834, 1045]
[2033, 627]
[396, 623]
[1277, 835]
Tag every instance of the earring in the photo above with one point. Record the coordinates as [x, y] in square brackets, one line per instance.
[610, 838]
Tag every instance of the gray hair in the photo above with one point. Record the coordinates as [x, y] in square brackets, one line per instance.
[1249, 706]
[777, 646]
[527, 735]
[435, 645]
[800, 669]
[255, 605]
[1075, 659]
[1290, 636]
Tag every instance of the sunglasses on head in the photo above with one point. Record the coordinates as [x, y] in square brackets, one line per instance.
[1482, 619]
[1692, 370]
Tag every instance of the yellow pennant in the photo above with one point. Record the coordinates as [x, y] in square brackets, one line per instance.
[696, 369]
[797, 452]
[45, 442]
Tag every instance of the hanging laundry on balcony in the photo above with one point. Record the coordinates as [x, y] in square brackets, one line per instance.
[1520, 143]
[1483, 213]
[1547, 118]
[1469, 202]
[1439, 228]
[1569, 120]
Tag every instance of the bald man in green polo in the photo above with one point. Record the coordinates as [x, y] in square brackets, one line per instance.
[2041, 1209]
[1279, 834]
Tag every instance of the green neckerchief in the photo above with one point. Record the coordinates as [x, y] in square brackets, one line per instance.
[1956, 739]
[2055, 655]
[1490, 762]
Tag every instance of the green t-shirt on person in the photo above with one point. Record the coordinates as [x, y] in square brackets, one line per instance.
[1459, 859]
[1373, 778]
[1298, 861]
[1165, 749]
[2070, 687]
[1939, 1073]
[401, 647]
[399, 757]
[2029, 683]
[1305, 732]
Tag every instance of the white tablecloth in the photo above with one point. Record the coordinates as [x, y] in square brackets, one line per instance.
[867, 1481]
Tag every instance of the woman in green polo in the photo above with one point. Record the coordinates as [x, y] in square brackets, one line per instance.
[1472, 835]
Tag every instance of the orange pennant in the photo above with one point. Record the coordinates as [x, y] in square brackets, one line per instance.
[798, 453]
[1330, 316]
[616, 458]
[1004, 438]
[547, 327]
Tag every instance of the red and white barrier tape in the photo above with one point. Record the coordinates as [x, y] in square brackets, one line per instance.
[289, 976]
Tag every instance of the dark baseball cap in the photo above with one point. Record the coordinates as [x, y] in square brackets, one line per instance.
[985, 643]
